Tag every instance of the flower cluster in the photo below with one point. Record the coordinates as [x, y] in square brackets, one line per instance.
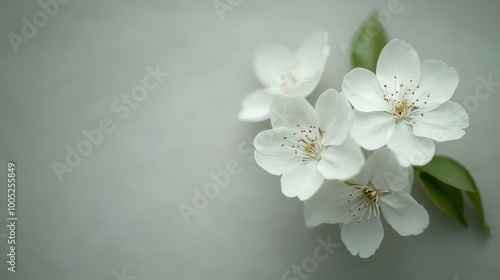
[395, 115]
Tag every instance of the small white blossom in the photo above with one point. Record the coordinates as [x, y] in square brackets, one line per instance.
[308, 145]
[405, 105]
[380, 189]
[282, 71]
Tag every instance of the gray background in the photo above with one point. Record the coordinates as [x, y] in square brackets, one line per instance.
[119, 207]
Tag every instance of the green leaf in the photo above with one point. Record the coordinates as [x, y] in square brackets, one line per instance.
[447, 198]
[452, 174]
[368, 43]
[449, 172]
[475, 198]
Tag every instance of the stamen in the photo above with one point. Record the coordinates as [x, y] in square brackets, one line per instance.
[288, 78]
[306, 144]
[367, 204]
[400, 103]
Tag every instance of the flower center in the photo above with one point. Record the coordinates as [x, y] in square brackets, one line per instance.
[288, 78]
[401, 100]
[305, 142]
[366, 203]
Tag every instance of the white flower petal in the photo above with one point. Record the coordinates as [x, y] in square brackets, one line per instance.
[444, 123]
[255, 106]
[304, 87]
[398, 59]
[363, 90]
[437, 85]
[302, 180]
[329, 204]
[362, 178]
[341, 162]
[404, 214]
[409, 149]
[362, 238]
[310, 220]
[313, 53]
[370, 130]
[335, 116]
[269, 153]
[270, 62]
[288, 111]
[386, 172]
[411, 176]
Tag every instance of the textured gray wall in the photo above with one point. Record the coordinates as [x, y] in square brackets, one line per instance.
[118, 208]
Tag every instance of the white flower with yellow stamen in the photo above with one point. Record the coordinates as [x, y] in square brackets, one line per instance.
[308, 145]
[405, 105]
[283, 72]
[380, 189]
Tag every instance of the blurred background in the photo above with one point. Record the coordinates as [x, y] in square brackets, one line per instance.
[103, 178]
